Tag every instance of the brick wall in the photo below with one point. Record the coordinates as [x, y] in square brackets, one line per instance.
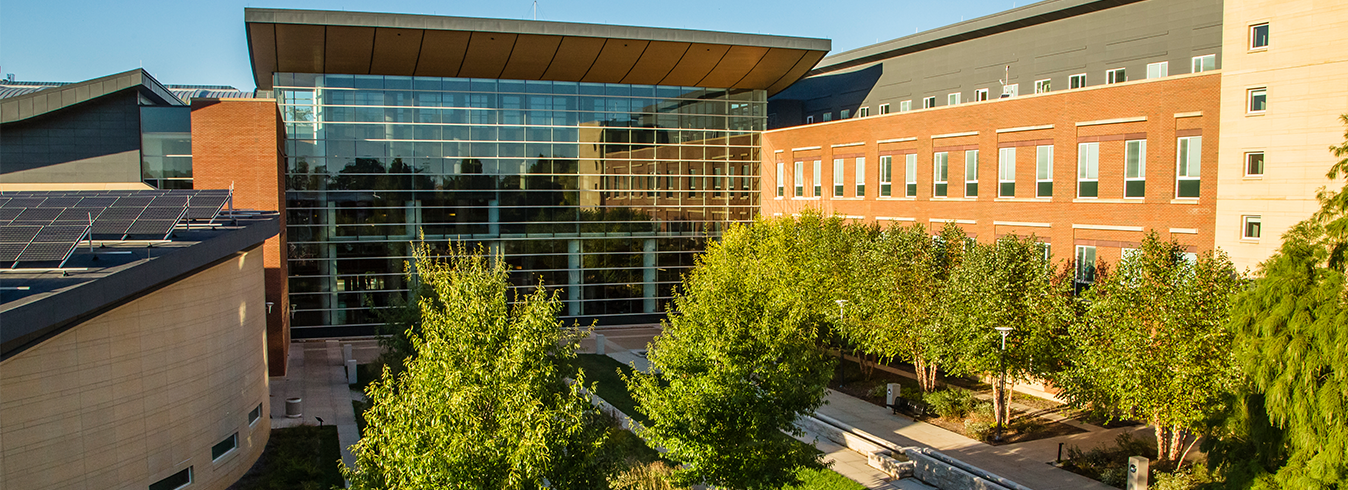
[1158, 111]
[239, 142]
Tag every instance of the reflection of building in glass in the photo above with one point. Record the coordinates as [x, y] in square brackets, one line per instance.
[602, 183]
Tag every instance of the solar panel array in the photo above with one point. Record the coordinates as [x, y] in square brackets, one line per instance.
[40, 227]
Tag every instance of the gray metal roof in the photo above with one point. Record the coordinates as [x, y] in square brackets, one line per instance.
[39, 102]
[1028, 15]
[319, 41]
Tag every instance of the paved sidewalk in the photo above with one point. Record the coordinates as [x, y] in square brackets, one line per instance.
[852, 465]
[1024, 463]
[317, 374]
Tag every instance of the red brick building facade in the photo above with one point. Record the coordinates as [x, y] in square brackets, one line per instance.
[1098, 128]
[238, 143]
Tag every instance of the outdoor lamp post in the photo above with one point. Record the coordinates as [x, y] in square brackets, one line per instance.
[1001, 383]
[841, 304]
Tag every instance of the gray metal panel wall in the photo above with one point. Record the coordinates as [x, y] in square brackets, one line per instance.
[1129, 36]
[96, 141]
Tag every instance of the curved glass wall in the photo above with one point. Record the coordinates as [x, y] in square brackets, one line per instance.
[602, 191]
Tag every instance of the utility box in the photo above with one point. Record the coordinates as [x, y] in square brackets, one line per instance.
[892, 391]
[599, 344]
[1138, 469]
[351, 371]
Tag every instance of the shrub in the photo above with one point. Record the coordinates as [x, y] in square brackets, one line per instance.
[951, 403]
[979, 429]
[982, 412]
[1189, 478]
[879, 391]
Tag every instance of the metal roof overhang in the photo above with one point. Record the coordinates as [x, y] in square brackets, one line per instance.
[317, 41]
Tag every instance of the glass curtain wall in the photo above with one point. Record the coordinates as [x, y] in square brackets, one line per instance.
[604, 192]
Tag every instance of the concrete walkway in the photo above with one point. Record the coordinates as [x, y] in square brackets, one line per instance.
[853, 465]
[318, 376]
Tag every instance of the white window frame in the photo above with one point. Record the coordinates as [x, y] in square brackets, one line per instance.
[818, 182]
[1200, 64]
[1076, 81]
[1117, 75]
[1011, 90]
[1246, 221]
[910, 175]
[1139, 173]
[970, 172]
[1006, 169]
[929, 102]
[952, 99]
[838, 177]
[235, 438]
[1249, 100]
[1262, 161]
[781, 182]
[1043, 86]
[906, 106]
[861, 177]
[1160, 69]
[809, 119]
[882, 109]
[845, 114]
[253, 420]
[828, 116]
[940, 174]
[1043, 168]
[1188, 166]
[191, 478]
[886, 176]
[1088, 167]
[798, 180]
[1267, 41]
[980, 95]
[1081, 262]
[864, 111]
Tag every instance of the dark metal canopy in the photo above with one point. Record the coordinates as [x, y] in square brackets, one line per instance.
[316, 41]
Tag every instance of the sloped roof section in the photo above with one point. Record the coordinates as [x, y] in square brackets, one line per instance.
[38, 102]
[318, 41]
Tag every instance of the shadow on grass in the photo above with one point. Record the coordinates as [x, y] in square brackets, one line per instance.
[306, 457]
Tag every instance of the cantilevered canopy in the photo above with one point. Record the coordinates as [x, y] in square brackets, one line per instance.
[317, 41]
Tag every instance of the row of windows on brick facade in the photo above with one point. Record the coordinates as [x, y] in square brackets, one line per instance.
[1118, 75]
[1187, 181]
[185, 477]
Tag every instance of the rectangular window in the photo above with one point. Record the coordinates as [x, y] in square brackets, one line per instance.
[828, 116]
[809, 119]
[837, 177]
[1043, 86]
[1135, 168]
[1189, 163]
[1088, 170]
[1259, 36]
[861, 176]
[952, 99]
[1085, 264]
[670, 183]
[224, 447]
[844, 114]
[1250, 230]
[692, 182]
[863, 112]
[781, 184]
[178, 480]
[255, 415]
[940, 174]
[905, 106]
[1011, 90]
[929, 102]
[744, 181]
[981, 94]
[1006, 172]
[1258, 100]
[718, 182]
[970, 173]
[884, 109]
[1254, 164]
[1116, 76]
[910, 175]
[799, 181]
[1204, 63]
[1158, 70]
[818, 179]
[1043, 171]
[886, 175]
[1076, 81]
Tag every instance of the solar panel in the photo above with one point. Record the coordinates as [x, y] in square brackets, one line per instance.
[9, 252]
[96, 202]
[206, 206]
[79, 214]
[8, 214]
[24, 202]
[115, 221]
[172, 200]
[18, 233]
[133, 201]
[158, 228]
[46, 252]
[60, 233]
[38, 215]
[59, 202]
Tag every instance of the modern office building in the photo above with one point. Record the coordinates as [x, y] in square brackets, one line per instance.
[596, 159]
[133, 350]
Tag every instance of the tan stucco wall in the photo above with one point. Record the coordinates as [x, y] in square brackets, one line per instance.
[144, 390]
[1305, 69]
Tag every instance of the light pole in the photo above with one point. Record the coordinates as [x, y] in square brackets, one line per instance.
[841, 304]
[1001, 384]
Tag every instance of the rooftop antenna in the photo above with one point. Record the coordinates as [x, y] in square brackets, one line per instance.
[535, 9]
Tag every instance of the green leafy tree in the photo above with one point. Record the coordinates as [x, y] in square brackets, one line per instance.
[1009, 283]
[482, 404]
[738, 360]
[1153, 343]
[899, 284]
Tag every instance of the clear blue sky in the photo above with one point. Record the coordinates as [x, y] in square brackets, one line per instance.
[202, 42]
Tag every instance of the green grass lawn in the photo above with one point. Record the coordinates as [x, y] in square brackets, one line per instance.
[825, 480]
[603, 370]
[304, 457]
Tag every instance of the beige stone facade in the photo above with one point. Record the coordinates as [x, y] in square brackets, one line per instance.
[144, 391]
[1304, 73]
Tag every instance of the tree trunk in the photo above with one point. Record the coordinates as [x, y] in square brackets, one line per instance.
[1177, 437]
[1162, 441]
[1000, 407]
[926, 373]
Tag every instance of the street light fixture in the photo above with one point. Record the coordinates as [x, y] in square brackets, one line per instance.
[841, 304]
[1001, 385]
